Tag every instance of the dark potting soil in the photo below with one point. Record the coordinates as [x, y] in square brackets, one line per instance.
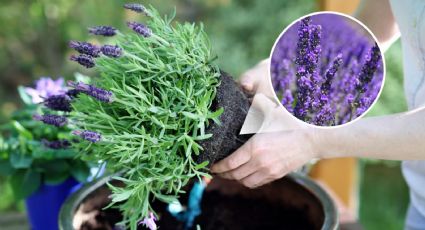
[226, 138]
[238, 213]
[219, 212]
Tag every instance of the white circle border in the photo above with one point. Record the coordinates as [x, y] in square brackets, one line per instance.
[382, 58]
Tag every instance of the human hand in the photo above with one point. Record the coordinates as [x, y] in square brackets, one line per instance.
[267, 157]
[257, 80]
[266, 114]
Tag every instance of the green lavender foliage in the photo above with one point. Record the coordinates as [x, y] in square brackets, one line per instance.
[163, 88]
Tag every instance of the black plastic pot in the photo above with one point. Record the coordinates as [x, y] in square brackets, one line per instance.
[304, 205]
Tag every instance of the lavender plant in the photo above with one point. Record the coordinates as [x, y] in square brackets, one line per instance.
[325, 70]
[148, 111]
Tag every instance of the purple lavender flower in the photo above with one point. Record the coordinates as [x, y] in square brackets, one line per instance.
[107, 31]
[58, 102]
[93, 91]
[315, 49]
[369, 68]
[111, 51]
[303, 41]
[85, 48]
[88, 135]
[304, 96]
[51, 119]
[139, 8]
[325, 116]
[45, 87]
[364, 104]
[330, 74]
[303, 82]
[84, 60]
[139, 28]
[149, 222]
[287, 100]
[57, 144]
[73, 93]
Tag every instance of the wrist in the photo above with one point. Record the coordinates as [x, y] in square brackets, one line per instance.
[323, 142]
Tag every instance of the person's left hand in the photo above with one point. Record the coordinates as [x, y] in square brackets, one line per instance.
[267, 157]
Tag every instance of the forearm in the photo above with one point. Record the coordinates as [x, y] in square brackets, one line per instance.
[393, 137]
[378, 17]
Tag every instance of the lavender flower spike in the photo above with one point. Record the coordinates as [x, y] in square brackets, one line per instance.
[107, 31]
[84, 60]
[139, 8]
[58, 144]
[149, 222]
[140, 29]
[369, 68]
[85, 48]
[88, 135]
[51, 119]
[330, 74]
[58, 102]
[98, 93]
[111, 51]
[73, 93]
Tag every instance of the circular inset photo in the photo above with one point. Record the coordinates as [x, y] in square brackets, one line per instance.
[327, 69]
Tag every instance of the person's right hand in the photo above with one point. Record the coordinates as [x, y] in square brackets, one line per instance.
[266, 157]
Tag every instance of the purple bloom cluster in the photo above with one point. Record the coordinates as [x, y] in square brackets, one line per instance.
[111, 51]
[93, 91]
[139, 8]
[88, 135]
[325, 71]
[85, 48]
[51, 119]
[107, 31]
[84, 60]
[60, 102]
[140, 29]
[57, 144]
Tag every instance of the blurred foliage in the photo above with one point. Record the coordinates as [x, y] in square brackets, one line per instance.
[383, 202]
[34, 37]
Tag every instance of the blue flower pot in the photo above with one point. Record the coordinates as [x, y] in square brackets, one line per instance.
[43, 206]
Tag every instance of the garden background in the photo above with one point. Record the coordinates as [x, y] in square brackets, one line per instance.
[35, 34]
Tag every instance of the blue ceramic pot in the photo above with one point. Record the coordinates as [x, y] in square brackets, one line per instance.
[44, 205]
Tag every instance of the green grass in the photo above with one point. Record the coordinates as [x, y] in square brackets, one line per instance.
[384, 197]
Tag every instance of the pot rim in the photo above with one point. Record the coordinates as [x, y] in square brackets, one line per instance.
[330, 221]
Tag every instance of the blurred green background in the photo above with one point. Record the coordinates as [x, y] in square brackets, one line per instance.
[33, 43]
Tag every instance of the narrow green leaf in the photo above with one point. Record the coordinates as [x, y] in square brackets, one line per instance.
[21, 130]
[202, 165]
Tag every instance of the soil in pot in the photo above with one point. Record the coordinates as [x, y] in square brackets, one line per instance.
[226, 138]
[226, 205]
